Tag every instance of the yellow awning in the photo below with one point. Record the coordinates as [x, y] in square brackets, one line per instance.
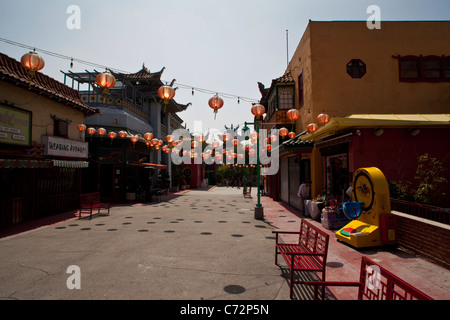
[379, 121]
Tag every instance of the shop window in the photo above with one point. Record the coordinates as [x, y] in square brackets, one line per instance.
[356, 68]
[424, 69]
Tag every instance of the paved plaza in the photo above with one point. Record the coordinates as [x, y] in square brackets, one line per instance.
[195, 245]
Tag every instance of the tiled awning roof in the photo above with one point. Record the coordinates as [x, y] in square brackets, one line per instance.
[295, 144]
[12, 71]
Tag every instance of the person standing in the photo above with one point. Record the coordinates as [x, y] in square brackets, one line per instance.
[304, 193]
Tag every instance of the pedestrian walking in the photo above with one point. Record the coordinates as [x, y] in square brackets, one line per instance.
[304, 193]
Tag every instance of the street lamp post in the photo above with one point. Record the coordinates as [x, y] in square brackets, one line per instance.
[259, 210]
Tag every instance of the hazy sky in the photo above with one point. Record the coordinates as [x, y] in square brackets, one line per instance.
[223, 46]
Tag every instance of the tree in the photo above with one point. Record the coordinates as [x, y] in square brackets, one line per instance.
[429, 175]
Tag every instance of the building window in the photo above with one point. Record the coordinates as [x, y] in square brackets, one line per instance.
[285, 97]
[424, 69]
[60, 127]
[356, 68]
[300, 89]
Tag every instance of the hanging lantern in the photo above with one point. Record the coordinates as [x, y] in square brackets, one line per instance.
[273, 138]
[215, 103]
[160, 142]
[106, 81]
[166, 93]
[170, 138]
[293, 114]
[123, 134]
[194, 144]
[312, 127]
[235, 142]
[226, 137]
[253, 136]
[148, 136]
[291, 134]
[156, 146]
[101, 131]
[323, 118]
[215, 144]
[154, 141]
[81, 127]
[283, 132]
[112, 135]
[269, 147]
[134, 139]
[258, 110]
[90, 131]
[32, 62]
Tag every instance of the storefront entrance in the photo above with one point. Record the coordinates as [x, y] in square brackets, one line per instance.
[337, 177]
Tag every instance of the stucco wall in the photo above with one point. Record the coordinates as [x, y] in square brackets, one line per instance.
[41, 108]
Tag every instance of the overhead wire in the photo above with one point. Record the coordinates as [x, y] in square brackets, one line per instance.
[85, 62]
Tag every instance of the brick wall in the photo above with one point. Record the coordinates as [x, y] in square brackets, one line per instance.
[426, 238]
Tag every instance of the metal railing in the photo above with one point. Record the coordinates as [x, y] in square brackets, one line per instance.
[437, 214]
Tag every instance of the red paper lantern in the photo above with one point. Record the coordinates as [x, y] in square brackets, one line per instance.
[170, 138]
[123, 134]
[291, 134]
[226, 137]
[283, 132]
[81, 127]
[312, 127]
[148, 136]
[32, 62]
[106, 81]
[258, 110]
[90, 131]
[323, 118]
[112, 135]
[101, 131]
[215, 103]
[293, 114]
[166, 93]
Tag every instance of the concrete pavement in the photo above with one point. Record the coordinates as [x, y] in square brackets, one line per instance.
[196, 245]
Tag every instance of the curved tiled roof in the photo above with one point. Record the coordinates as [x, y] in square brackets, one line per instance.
[12, 71]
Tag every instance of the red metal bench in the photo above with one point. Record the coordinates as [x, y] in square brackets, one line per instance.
[90, 202]
[308, 254]
[375, 283]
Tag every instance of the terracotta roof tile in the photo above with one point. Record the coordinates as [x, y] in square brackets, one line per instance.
[11, 70]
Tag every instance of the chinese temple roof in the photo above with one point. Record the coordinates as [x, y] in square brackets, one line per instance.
[143, 74]
[12, 71]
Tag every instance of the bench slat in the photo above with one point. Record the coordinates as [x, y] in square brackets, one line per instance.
[309, 254]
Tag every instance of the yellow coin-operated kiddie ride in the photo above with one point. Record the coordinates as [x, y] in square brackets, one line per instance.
[372, 222]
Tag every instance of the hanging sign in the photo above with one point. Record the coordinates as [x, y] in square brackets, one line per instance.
[15, 125]
[61, 147]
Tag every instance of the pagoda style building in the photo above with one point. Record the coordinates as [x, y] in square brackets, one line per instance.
[119, 168]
